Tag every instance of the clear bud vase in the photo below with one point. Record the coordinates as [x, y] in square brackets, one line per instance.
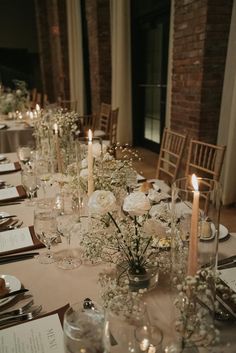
[195, 212]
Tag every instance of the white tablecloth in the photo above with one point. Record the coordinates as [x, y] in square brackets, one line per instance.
[53, 287]
[17, 133]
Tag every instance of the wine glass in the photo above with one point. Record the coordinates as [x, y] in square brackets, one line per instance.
[29, 182]
[45, 226]
[24, 154]
[83, 328]
[66, 220]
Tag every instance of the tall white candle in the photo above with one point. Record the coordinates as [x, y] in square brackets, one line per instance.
[193, 241]
[59, 161]
[90, 163]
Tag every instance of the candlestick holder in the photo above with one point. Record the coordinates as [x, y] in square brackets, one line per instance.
[195, 212]
[201, 221]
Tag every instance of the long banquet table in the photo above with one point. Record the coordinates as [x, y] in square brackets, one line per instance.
[16, 133]
[53, 287]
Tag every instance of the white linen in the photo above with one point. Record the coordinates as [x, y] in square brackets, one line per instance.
[7, 167]
[8, 193]
[15, 239]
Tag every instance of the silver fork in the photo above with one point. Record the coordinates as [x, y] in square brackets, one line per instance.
[18, 311]
[13, 225]
[21, 317]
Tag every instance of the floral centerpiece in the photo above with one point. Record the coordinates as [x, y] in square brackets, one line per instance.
[13, 100]
[124, 238]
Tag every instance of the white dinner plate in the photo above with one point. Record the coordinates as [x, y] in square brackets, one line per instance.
[2, 157]
[13, 284]
[223, 232]
[3, 214]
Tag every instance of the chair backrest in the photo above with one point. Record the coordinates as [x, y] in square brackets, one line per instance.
[172, 147]
[204, 159]
[68, 105]
[104, 118]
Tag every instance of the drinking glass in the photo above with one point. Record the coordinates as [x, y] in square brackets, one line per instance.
[149, 339]
[123, 316]
[83, 328]
[66, 219]
[24, 154]
[43, 170]
[45, 226]
[29, 182]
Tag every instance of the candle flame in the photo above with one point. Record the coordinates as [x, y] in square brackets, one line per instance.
[55, 128]
[195, 182]
[90, 135]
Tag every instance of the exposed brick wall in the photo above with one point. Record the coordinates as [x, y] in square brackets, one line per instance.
[201, 30]
[98, 27]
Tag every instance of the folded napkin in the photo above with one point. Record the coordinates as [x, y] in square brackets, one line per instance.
[12, 193]
[9, 167]
[27, 240]
[3, 126]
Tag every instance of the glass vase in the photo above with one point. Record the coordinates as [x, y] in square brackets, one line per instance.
[147, 280]
[195, 212]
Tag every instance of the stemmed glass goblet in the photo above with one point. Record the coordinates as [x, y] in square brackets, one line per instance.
[45, 226]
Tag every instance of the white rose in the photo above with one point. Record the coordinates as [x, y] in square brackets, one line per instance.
[84, 173]
[136, 204]
[101, 202]
[18, 92]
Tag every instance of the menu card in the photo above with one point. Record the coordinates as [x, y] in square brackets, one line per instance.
[38, 336]
[229, 277]
[17, 240]
[9, 167]
[12, 193]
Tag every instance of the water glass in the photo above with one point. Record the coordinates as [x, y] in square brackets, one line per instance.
[24, 154]
[66, 221]
[123, 316]
[83, 329]
[45, 226]
[29, 182]
[149, 339]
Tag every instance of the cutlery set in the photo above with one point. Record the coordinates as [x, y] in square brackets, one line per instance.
[26, 312]
[17, 257]
[229, 262]
[23, 314]
[12, 225]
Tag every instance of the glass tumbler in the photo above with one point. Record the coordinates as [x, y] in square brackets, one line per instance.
[83, 328]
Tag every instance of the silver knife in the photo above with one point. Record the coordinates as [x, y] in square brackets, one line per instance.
[15, 292]
[6, 217]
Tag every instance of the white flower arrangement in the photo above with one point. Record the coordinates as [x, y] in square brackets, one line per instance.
[195, 302]
[13, 100]
[121, 240]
